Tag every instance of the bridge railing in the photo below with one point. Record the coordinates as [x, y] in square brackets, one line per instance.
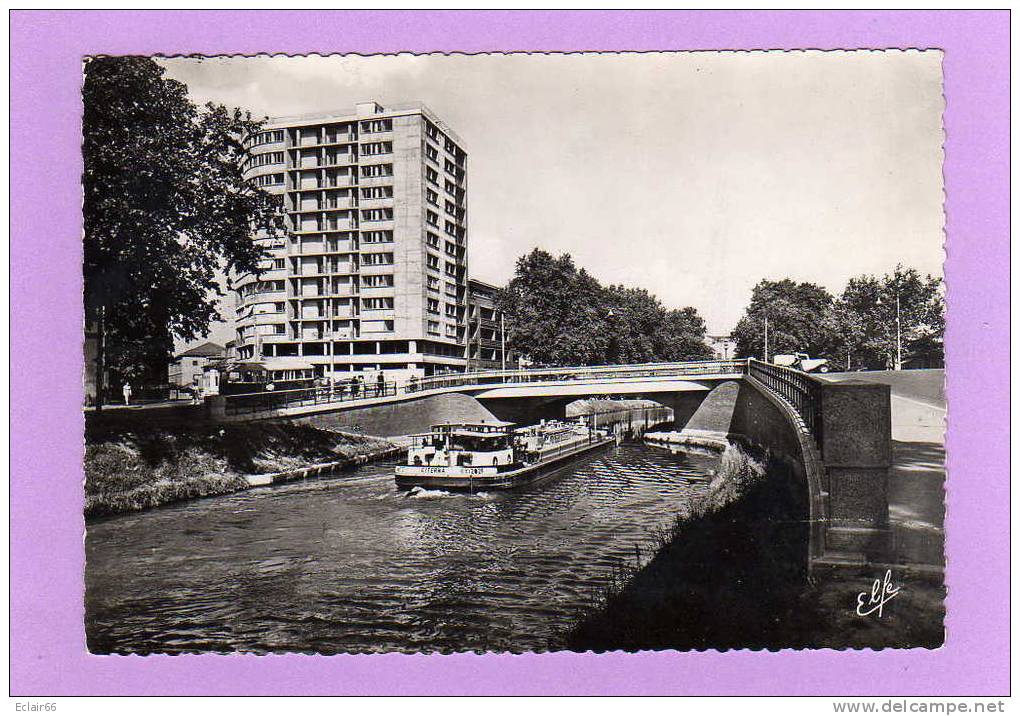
[558, 374]
[797, 388]
[246, 403]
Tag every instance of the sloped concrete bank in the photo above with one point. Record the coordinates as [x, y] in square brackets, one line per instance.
[723, 573]
[149, 466]
[735, 574]
[732, 574]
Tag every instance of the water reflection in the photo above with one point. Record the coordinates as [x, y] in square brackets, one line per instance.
[350, 564]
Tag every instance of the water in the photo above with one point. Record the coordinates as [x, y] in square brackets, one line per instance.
[349, 564]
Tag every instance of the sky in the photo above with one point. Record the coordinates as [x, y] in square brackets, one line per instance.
[693, 175]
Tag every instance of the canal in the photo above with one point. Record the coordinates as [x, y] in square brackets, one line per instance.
[349, 564]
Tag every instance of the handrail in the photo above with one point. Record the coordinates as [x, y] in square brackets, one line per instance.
[800, 390]
[296, 397]
[797, 388]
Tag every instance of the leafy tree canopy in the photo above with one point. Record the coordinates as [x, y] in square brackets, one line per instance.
[796, 320]
[558, 314]
[166, 208]
[855, 330]
[864, 319]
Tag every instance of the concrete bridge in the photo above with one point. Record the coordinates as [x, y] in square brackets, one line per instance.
[835, 438]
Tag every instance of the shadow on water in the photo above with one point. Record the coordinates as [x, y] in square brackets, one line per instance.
[727, 579]
[736, 578]
[349, 564]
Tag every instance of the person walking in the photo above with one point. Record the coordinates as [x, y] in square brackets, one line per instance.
[380, 384]
[127, 394]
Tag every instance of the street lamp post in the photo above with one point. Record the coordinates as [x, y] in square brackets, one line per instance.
[899, 334]
[766, 338]
[898, 364]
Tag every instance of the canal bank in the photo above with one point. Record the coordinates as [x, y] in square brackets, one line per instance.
[731, 574]
[144, 466]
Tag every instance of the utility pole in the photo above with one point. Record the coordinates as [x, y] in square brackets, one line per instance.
[899, 339]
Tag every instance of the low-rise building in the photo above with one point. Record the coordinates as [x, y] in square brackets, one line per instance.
[723, 347]
[186, 368]
[485, 345]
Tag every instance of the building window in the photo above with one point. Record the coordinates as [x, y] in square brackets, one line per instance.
[377, 304]
[432, 218]
[268, 180]
[377, 237]
[381, 259]
[451, 269]
[432, 175]
[261, 160]
[433, 284]
[270, 137]
[376, 148]
[432, 240]
[376, 214]
[377, 192]
[451, 310]
[377, 125]
[431, 152]
[377, 170]
[379, 281]
[433, 306]
[432, 261]
[451, 248]
[434, 328]
[431, 130]
[432, 197]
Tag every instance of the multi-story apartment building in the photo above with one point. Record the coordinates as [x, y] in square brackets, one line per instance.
[371, 274]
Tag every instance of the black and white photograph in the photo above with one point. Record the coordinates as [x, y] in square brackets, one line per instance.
[514, 352]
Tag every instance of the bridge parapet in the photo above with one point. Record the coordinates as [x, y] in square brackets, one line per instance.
[851, 426]
[258, 404]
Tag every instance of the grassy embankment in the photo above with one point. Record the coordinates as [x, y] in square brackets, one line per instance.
[137, 469]
[731, 573]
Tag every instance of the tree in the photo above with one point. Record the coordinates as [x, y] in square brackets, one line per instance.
[552, 311]
[868, 311]
[796, 319]
[683, 336]
[166, 208]
[557, 314]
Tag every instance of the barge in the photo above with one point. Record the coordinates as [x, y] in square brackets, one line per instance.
[495, 455]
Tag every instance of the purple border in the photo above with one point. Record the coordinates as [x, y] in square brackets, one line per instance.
[47, 642]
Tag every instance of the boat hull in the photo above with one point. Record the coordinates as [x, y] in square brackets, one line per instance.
[478, 480]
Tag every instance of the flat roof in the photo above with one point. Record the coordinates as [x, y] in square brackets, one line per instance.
[351, 115]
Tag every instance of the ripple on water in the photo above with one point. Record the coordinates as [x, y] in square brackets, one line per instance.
[348, 563]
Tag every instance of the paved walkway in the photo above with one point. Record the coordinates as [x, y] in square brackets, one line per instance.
[918, 474]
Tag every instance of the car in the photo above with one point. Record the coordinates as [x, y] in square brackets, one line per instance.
[801, 361]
